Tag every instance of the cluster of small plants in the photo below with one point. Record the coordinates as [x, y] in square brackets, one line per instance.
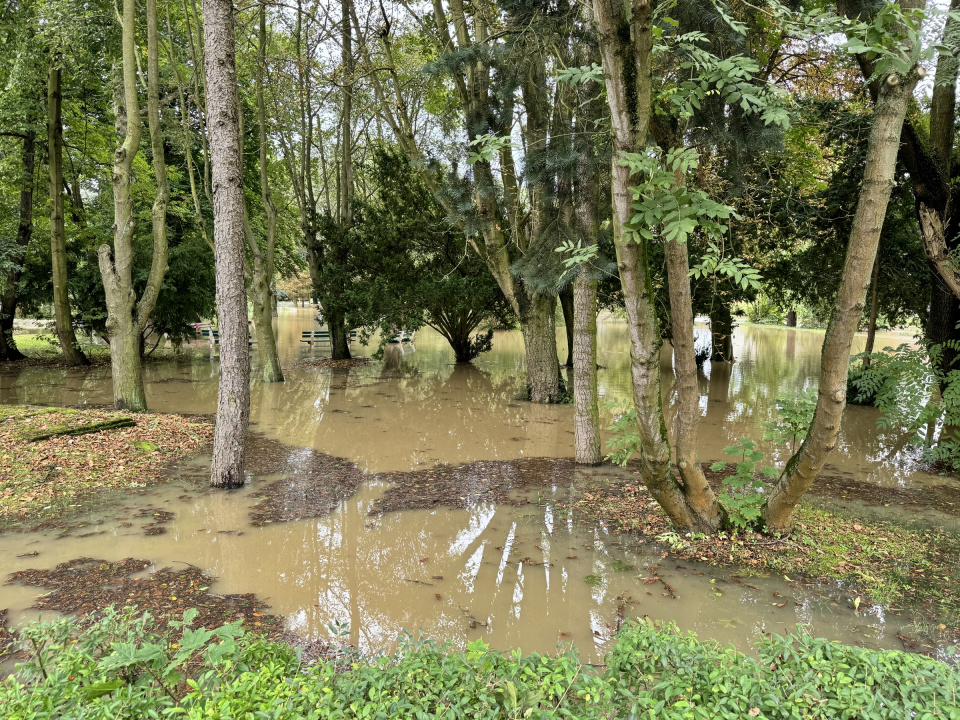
[119, 667]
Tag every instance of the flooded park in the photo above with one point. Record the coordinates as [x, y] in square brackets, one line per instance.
[484, 544]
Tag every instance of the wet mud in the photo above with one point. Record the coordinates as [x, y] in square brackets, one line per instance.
[87, 585]
[465, 485]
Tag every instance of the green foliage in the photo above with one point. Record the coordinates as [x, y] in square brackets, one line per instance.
[742, 496]
[624, 440]
[761, 310]
[917, 390]
[794, 415]
[119, 669]
[664, 204]
[714, 262]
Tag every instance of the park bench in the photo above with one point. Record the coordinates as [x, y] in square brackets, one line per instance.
[404, 336]
[321, 337]
[213, 335]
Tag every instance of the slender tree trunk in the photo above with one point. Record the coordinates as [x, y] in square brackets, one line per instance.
[872, 324]
[63, 318]
[264, 300]
[566, 305]
[626, 42]
[699, 497]
[233, 399]
[721, 331]
[792, 318]
[803, 468]
[11, 294]
[586, 409]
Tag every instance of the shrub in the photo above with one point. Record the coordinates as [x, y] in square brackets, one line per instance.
[120, 668]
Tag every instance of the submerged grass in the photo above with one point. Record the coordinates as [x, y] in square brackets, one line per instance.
[40, 478]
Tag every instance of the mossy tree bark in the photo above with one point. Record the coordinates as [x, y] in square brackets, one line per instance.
[233, 398]
[10, 297]
[893, 96]
[127, 318]
[63, 317]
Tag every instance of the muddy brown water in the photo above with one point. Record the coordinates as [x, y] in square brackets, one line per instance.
[516, 576]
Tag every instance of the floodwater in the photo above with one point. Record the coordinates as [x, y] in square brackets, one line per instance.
[516, 576]
[522, 576]
[419, 408]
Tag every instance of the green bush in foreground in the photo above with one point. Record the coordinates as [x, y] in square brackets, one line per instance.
[120, 668]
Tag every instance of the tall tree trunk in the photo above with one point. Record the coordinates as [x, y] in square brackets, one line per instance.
[233, 398]
[566, 305]
[264, 300]
[127, 319]
[586, 410]
[802, 469]
[721, 331]
[11, 292]
[872, 324]
[626, 43]
[63, 318]
[336, 320]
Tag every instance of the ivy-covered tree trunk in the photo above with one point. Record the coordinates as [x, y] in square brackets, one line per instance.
[894, 95]
[233, 397]
[721, 331]
[63, 318]
[10, 297]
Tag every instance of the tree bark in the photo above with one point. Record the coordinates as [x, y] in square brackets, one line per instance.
[699, 497]
[63, 318]
[586, 410]
[566, 305]
[538, 325]
[872, 324]
[11, 294]
[233, 398]
[626, 42]
[264, 299]
[802, 469]
[127, 318]
[721, 331]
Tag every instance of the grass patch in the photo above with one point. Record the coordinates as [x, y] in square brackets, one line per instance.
[45, 348]
[114, 451]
